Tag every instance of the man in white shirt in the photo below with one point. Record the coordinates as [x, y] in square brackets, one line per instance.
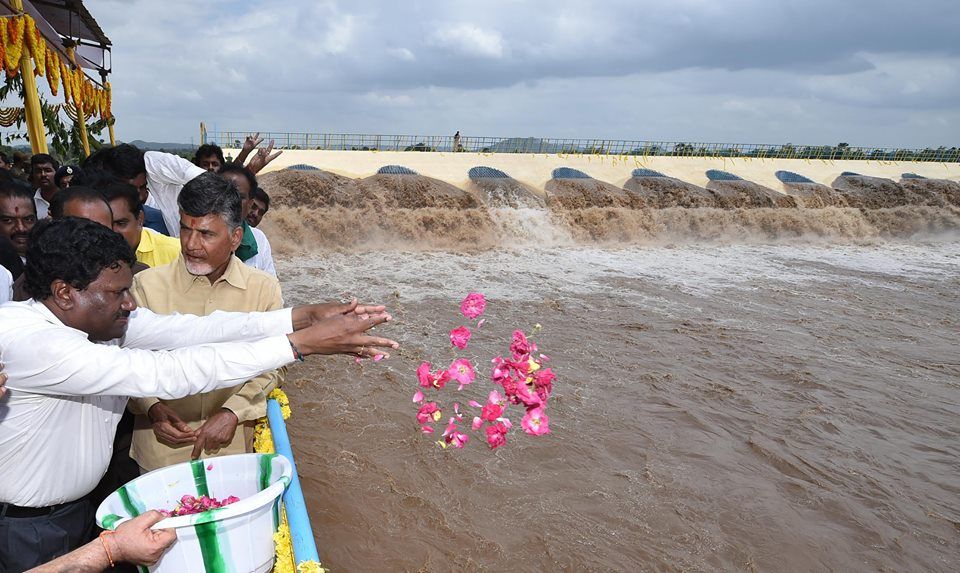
[166, 176]
[259, 205]
[43, 170]
[6, 285]
[80, 347]
[159, 176]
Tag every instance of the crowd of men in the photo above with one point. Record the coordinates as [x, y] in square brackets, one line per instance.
[147, 329]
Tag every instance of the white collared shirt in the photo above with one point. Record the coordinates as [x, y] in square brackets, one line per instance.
[6, 285]
[65, 394]
[263, 260]
[43, 206]
[166, 176]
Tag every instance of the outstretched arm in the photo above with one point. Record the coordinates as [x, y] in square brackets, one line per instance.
[152, 331]
[80, 367]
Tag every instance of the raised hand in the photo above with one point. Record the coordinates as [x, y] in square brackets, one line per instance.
[263, 157]
[251, 142]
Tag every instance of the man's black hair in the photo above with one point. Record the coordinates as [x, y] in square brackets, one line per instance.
[95, 177]
[74, 250]
[210, 194]
[125, 191]
[74, 193]
[17, 189]
[124, 161]
[206, 150]
[235, 168]
[260, 195]
[42, 158]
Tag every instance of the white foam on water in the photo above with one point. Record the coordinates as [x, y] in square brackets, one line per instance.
[530, 227]
[535, 273]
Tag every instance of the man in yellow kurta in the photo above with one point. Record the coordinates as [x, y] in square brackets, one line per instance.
[207, 277]
[153, 249]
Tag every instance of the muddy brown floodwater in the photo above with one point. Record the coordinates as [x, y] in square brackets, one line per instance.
[718, 408]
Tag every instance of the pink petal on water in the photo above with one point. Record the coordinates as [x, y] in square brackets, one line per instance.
[418, 397]
[477, 422]
[378, 357]
[482, 320]
[209, 467]
[456, 407]
[357, 360]
[426, 429]
[475, 404]
[506, 422]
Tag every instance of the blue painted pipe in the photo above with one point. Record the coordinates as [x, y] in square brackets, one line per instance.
[301, 533]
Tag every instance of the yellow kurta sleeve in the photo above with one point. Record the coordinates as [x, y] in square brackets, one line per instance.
[250, 402]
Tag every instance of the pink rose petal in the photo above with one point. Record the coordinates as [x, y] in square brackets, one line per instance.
[473, 305]
[460, 336]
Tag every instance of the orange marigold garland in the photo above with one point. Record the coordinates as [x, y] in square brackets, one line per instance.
[12, 36]
[3, 45]
[36, 46]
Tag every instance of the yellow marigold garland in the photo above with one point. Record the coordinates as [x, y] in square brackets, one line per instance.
[67, 84]
[19, 36]
[76, 87]
[105, 111]
[53, 71]
[263, 443]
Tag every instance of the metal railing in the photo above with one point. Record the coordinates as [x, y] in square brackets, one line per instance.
[449, 144]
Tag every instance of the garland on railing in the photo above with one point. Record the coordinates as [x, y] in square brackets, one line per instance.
[19, 33]
[263, 444]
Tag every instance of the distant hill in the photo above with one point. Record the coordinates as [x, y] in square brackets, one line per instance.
[155, 146]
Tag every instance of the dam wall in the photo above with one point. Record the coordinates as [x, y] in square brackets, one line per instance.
[536, 170]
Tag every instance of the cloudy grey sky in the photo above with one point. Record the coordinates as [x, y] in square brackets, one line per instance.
[877, 72]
